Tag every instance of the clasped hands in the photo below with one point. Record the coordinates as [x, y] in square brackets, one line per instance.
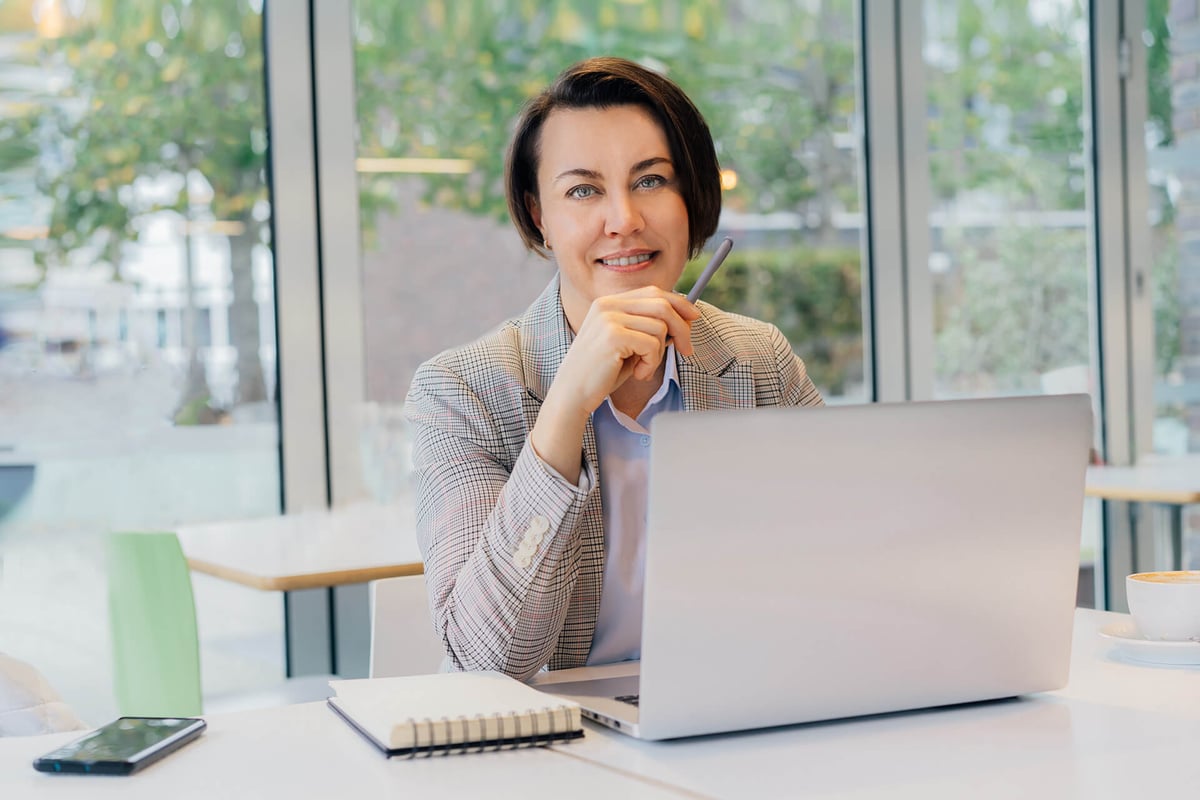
[623, 336]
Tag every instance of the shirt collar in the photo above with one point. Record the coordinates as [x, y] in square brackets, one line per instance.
[670, 377]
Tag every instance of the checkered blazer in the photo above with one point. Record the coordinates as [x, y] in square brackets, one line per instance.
[514, 555]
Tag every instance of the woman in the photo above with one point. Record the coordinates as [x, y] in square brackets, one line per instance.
[530, 444]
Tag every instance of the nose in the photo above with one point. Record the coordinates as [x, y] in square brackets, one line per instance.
[624, 217]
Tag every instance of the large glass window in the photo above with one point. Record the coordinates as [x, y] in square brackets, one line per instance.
[1009, 222]
[438, 86]
[1172, 138]
[134, 225]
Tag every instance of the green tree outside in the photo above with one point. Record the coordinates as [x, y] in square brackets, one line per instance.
[157, 89]
[175, 88]
[775, 80]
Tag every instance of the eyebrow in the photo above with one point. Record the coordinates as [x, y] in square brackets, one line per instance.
[592, 175]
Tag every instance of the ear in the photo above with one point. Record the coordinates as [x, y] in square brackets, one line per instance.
[535, 211]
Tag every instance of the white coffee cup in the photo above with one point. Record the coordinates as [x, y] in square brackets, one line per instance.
[1165, 605]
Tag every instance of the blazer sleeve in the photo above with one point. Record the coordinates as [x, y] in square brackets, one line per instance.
[796, 388]
[501, 547]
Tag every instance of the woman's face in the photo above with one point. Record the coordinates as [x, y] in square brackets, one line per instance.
[608, 204]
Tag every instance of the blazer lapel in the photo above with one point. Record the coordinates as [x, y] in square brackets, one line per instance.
[712, 377]
[545, 339]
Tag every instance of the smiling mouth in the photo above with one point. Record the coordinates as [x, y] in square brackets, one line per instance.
[627, 262]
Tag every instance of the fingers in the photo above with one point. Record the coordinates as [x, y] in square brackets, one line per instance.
[653, 303]
[637, 341]
[647, 354]
[623, 336]
[610, 348]
[652, 300]
[659, 328]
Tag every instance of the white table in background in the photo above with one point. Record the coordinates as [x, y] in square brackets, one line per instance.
[312, 553]
[1168, 482]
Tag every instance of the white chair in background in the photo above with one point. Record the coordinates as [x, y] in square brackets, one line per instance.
[403, 641]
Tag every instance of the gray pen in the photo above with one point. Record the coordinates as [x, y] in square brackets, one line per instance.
[710, 270]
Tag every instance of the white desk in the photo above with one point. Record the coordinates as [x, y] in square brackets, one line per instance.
[1117, 730]
[306, 751]
[306, 556]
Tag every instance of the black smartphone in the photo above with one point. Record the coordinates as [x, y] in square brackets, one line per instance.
[123, 746]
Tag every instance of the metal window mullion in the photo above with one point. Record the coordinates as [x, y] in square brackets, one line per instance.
[1139, 255]
[884, 306]
[1108, 187]
[342, 300]
[297, 272]
[341, 273]
[916, 199]
[1109, 148]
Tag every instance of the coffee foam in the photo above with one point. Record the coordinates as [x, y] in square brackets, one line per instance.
[1186, 576]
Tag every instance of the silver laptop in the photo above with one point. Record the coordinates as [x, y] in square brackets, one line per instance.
[812, 564]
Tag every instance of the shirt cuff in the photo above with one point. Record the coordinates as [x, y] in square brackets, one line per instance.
[583, 484]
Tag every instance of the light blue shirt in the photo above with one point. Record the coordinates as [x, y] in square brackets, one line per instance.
[623, 448]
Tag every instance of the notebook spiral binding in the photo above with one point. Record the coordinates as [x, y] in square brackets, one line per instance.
[508, 733]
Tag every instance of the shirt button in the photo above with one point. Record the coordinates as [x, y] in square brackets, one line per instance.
[644, 441]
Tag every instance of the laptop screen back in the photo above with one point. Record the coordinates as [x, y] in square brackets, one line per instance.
[814, 563]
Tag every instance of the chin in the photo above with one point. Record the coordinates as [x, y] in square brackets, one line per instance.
[628, 282]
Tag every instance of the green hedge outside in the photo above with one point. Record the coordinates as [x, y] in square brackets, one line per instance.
[813, 295]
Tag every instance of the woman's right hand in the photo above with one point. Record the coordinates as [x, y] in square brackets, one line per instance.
[623, 336]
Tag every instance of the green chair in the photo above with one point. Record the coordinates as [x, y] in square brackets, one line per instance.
[156, 652]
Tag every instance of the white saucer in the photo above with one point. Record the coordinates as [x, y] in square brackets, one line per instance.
[1126, 640]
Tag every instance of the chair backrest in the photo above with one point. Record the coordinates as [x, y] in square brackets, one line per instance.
[156, 652]
[403, 641]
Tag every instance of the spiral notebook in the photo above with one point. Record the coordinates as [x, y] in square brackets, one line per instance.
[456, 712]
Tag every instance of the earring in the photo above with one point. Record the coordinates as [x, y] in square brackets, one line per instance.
[546, 244]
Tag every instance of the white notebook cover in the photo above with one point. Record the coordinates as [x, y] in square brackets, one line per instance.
[454, 708]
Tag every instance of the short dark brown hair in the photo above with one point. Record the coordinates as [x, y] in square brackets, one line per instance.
[605, 82]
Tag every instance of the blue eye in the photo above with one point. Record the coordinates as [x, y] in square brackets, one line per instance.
[581, 192]
[650, 182]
